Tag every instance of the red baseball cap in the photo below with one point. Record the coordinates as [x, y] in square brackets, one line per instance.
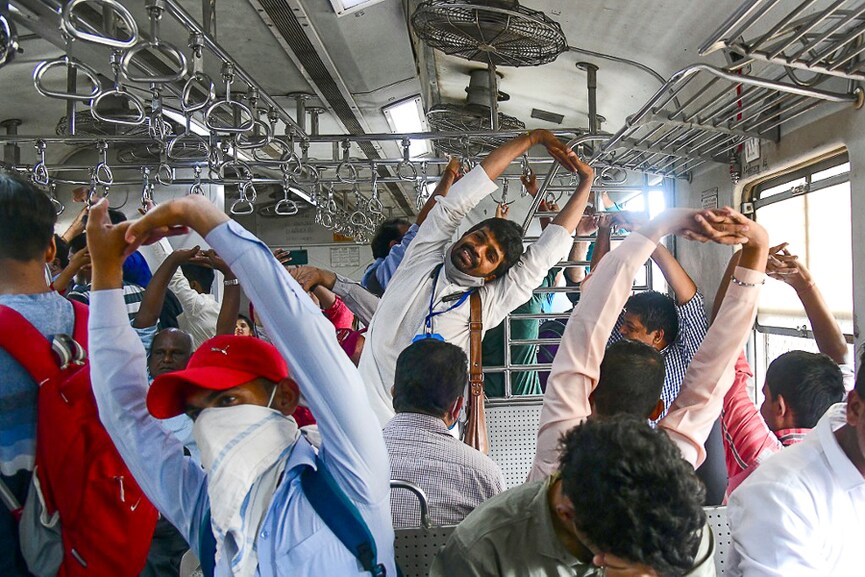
[220, 363]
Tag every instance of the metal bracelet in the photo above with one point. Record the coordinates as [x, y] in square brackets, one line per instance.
[67, 25]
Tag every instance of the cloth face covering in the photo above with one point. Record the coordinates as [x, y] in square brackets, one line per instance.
[457, 276]
[243, 450]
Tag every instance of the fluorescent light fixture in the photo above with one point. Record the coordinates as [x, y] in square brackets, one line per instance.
[407, 116]
[195, 126]
[343, 7]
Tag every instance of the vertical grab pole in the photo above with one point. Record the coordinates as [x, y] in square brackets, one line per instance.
[494, 98]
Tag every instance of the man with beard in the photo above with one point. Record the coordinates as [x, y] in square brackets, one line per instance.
[430, 290]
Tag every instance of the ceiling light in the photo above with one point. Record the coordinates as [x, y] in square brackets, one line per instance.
[406, 117]
[195, 126]
[343, 7]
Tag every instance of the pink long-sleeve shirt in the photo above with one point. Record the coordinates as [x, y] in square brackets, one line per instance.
[747, 439]
[576, 368]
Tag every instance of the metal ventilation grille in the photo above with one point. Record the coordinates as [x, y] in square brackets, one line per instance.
[496, 32]
[454, 118]
[86, 125]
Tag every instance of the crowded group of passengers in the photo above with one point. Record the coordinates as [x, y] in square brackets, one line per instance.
[266, 444]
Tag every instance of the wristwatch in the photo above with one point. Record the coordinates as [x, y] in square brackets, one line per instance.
[231, 282]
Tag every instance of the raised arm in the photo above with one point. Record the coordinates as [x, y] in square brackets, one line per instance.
[449, 176]
[226, 322]
[154, 295]
[498, 160]
[359, 301]
[118, 374]
[788, 268]
[328, 381]
[711, 372]
[79, 260]
[679, 280]
[576, 368]
[577, 364]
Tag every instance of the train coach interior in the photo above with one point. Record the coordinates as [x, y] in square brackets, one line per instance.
[312, 121]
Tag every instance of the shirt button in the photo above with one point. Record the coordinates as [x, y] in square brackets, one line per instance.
[264, 534]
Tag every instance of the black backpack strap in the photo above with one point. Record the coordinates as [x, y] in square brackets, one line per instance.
[341, 516]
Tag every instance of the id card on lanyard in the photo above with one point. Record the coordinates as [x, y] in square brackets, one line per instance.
[428, 332]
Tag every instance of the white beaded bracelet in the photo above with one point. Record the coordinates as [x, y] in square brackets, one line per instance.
[747, 284]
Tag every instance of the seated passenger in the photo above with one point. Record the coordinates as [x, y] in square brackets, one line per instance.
[801, 511]
[799, 386]
[239, 390]
[621, 498]
[428, 396]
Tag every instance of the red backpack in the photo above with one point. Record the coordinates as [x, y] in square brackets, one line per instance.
[106, 521]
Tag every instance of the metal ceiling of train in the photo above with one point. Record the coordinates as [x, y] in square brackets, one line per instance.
[354, 65]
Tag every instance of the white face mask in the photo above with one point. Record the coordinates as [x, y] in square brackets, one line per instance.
[244, 450]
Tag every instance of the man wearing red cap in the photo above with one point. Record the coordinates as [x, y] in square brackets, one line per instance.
[239, 392]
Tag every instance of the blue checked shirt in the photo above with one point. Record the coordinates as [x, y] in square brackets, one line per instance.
[693, 325]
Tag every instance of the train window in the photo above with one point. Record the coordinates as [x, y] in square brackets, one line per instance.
[809, 209]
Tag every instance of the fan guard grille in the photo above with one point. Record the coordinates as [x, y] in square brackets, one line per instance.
[86, 125]
[500, 33]
[453, 118]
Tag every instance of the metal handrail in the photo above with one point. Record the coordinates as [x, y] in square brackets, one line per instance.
[425, 520]
[68, 26]
[155, 44]
[72, 66]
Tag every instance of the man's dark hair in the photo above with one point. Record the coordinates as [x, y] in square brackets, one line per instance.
[388, 231]
[27, 220]
[633, 494]
[656, 311]
[114, 216]
[62, 250]
[195, 272]
[809, 382]
[509, 235]
[631, 379]
[78, 242]
[430, 375]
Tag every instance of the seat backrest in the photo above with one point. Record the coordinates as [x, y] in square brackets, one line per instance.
[717, 517]
[417, 547]
[513, 434]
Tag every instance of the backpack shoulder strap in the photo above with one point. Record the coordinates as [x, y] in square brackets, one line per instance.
[341, 516]
[335, 509]
[26, 345]
[82, 314]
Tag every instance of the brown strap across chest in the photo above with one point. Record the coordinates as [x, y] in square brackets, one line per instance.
[476, 427]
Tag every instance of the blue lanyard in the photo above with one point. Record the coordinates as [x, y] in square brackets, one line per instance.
[431, 315]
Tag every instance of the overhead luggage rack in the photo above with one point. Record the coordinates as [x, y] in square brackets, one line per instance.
[702, 113]
[822, 36]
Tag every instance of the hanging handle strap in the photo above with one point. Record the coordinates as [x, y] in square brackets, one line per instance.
[476, 427]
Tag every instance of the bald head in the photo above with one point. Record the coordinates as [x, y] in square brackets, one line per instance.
[170, 352]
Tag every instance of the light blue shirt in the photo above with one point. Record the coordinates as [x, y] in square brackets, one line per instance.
[293, 539]
[384, 267]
